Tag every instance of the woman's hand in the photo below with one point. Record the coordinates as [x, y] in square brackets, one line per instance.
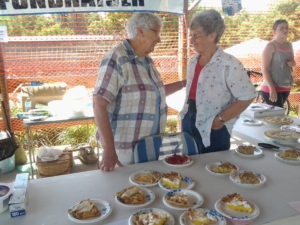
[291, 63]
[273, 95]
[217, 124]
[109, 161]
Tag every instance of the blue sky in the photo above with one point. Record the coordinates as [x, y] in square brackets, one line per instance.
[248, 5]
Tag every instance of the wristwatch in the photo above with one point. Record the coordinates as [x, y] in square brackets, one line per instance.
[221, 119]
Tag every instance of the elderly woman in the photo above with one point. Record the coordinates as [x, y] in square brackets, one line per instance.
[278, 61]
[129, 98]
[218, 88]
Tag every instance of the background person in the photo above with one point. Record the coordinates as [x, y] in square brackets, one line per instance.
[129, 97]
[277, 63]
[218, 88]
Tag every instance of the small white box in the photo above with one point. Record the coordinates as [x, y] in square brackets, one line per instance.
[17, 202]
[258, 110]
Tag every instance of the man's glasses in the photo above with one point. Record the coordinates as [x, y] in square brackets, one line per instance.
[196, 36]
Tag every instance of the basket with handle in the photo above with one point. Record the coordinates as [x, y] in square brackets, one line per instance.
[60, 166]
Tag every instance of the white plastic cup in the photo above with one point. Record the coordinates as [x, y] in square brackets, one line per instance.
[5, 192]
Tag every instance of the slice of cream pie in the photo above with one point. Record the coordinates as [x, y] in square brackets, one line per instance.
[237, 203]
[172, 180]
[199, 217]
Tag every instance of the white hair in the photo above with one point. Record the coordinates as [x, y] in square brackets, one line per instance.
[141, 20]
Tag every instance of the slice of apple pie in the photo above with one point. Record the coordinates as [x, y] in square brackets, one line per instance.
[132, 195]
[86, 209]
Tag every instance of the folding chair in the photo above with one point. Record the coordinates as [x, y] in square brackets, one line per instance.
[150, 148]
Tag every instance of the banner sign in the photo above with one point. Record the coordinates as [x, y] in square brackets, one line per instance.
[20, 7]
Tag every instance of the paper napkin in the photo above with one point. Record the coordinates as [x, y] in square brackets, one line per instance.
[295, 205]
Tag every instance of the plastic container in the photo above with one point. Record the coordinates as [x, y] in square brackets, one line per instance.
[8, 164]
[5, 192]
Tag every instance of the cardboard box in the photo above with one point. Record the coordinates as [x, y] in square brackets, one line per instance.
[258, 110]
[17, 202]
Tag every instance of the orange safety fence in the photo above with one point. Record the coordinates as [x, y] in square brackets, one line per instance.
[69, 48]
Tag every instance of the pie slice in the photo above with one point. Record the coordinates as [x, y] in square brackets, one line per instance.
[172, 180]
[150, 178]
[249, 178]
[237, 203]
[86, 209]
[290, 154]
[132, 195]
[150, 219]
[199, 217]
[180, 200]
[225, 167]
[246, 149]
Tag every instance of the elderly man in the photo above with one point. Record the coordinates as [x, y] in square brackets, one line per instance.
[129, 98]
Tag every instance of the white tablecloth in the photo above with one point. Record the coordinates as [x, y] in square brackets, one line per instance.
[49, 198]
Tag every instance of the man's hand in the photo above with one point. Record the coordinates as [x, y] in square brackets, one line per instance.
[273, 95]
[109, 161]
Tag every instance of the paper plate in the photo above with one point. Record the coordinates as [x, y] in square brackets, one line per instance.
[256, 154]
[150, 197]
[170, 221]
[234, 177]
[102, 205]
[252, 122]
[143, 184]
[288, 161]
[184, 220]
[195, 198]
[236, 215]
[210, 166]
[187, 163]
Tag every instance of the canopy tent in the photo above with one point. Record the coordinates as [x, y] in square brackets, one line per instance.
[249, 52]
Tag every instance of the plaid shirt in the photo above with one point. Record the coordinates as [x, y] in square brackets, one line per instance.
[124, 81]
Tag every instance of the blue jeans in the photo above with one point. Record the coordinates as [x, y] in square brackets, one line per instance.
[219, 139]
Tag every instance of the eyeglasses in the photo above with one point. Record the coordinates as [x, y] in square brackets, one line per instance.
[196, 36]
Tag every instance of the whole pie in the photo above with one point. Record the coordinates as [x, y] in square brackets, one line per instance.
[279, 120]
[284, 135]
[225, 167]
[86, 209]
[150, 178]
[248, 177]
[246, 149]
[237, 203]
[291, 154]
[132, 195]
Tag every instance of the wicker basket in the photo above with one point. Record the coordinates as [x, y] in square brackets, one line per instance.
[61, 166]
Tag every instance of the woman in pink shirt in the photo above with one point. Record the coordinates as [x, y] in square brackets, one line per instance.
[278, 60]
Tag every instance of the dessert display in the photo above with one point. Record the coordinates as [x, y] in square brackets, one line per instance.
[86, 209]
[149, 177]
[132, 195]
[150, 218]
[177, 159]
[279, 120]
[237, 203]
[248, 177]
[225, 167]
[283, 135]
[199, 217]
[171, 180]
[179, 199]
[290, 154]
[246, 149]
